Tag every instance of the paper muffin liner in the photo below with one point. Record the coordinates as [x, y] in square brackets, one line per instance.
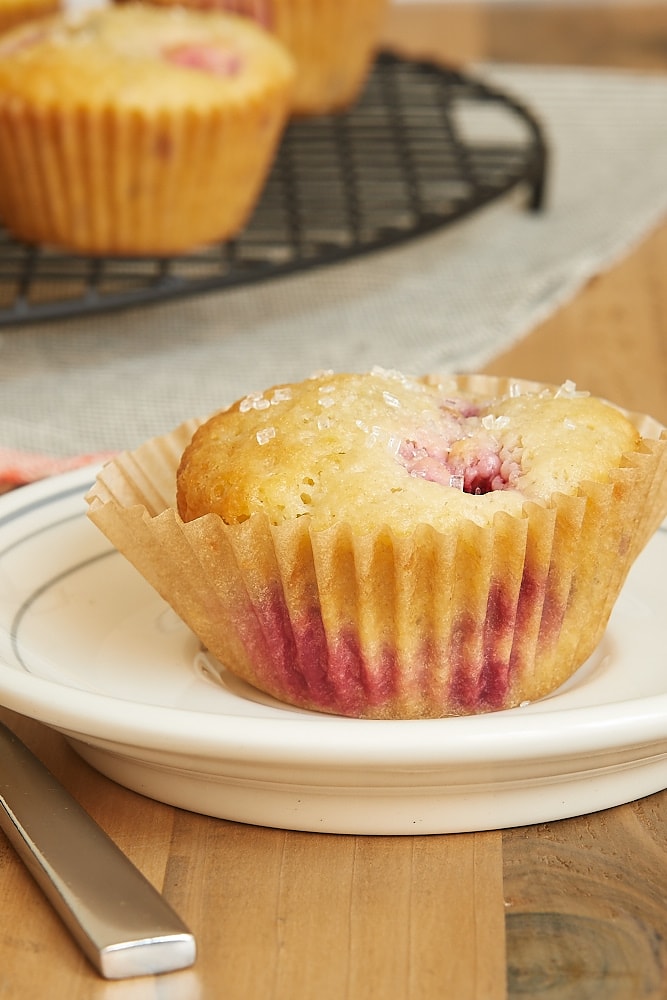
[333, 43]
[20, 11]
[118, 181]
[382, 626]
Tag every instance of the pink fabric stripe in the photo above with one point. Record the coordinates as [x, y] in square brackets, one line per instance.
[20, 467]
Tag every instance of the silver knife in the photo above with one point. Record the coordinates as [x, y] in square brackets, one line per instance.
[121, 922]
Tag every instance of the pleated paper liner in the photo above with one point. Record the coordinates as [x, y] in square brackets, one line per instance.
[126, 183]
[387, 626]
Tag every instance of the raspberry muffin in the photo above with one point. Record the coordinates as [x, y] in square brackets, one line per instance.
[380, 546]
[133, 130]
[333, 43]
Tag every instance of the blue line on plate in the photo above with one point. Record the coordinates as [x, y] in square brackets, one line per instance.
[36, 594]
[29, 508]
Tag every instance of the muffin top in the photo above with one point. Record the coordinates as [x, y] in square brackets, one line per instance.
[140, 57]
[384, 448]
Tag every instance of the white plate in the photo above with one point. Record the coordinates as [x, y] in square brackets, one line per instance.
[87, 647]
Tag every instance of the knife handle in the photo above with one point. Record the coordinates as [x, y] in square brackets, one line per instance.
[120, 921]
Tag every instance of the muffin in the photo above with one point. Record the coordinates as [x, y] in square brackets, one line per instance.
[136, 130]
[387, 547]
[333, 43]
[14, 12]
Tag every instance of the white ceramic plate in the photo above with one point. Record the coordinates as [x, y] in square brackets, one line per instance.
[87, 647]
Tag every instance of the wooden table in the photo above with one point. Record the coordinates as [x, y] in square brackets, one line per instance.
[572, 910]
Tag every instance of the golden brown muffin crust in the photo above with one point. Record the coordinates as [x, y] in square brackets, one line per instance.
[383, 448]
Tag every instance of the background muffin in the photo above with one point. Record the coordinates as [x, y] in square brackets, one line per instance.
[136, 130]
[378, 547]
[333, 43]
[14, 12]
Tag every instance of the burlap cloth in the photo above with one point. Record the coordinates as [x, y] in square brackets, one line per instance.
[450, 301]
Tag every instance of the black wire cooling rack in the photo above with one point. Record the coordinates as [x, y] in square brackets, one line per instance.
[423, 147]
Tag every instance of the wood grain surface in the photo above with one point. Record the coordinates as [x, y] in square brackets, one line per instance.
[574, 910]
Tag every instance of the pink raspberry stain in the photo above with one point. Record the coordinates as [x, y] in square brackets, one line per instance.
[486, 657]
[478, 681]
[205, 58]
[529, 614]
[256, 10]
[539, 620]
[294, 661]
[291, 668]
[361, 683]
[499, 629]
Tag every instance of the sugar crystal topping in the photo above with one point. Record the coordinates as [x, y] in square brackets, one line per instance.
[253, 401]
[568, 390]
[462, 445]
[265, 435]
[491, 423]
[391, 400]
[391, 373]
